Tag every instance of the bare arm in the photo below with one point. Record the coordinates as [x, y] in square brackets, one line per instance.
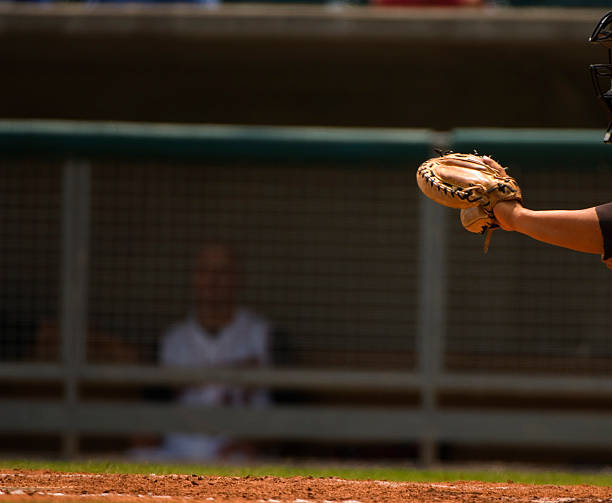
[574, 229]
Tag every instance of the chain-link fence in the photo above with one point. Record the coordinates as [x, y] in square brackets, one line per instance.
[528, 307]
[326, 254]
[30, 254]
[309, 254]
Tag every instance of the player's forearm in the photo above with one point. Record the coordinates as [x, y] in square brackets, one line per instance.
[574, 229]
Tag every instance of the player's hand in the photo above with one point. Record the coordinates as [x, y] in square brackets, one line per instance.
[607, 262]
[506, 212]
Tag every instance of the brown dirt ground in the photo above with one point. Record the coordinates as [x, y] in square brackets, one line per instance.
[38, 486]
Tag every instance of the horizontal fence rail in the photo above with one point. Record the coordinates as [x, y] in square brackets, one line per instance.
[217, 142]
[542, 429]
[375, 289]
[316, 379]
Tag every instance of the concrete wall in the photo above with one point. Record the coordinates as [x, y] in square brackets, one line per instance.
[434, 68]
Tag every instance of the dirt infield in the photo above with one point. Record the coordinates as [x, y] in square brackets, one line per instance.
[19, 485]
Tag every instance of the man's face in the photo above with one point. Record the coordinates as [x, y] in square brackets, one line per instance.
[216, 278]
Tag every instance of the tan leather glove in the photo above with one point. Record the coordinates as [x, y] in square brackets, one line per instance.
[466, 182]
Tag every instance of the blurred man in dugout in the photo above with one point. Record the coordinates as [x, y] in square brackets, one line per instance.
[216, 333]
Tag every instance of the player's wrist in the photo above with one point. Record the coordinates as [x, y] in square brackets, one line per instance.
[509, 214]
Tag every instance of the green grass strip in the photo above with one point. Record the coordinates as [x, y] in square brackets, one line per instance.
[345, 472]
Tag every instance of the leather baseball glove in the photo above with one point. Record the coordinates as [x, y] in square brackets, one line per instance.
[466, 182]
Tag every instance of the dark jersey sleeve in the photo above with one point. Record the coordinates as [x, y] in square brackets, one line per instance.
[604, 214]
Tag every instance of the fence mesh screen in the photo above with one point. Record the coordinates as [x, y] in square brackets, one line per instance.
[528, 306]
[325, 254]
[30, 245]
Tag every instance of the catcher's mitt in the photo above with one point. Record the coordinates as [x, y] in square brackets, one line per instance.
[466, 182]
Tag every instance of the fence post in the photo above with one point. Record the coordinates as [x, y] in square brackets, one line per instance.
[431, 317]
[74, 291]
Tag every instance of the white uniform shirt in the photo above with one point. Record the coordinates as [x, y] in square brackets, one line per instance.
[187, 344]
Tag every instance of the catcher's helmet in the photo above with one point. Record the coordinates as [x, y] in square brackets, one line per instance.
[601, 74]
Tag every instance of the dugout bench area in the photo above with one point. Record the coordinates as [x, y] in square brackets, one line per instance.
[390, 324]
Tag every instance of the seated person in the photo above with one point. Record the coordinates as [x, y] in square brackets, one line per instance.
[217, 333]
